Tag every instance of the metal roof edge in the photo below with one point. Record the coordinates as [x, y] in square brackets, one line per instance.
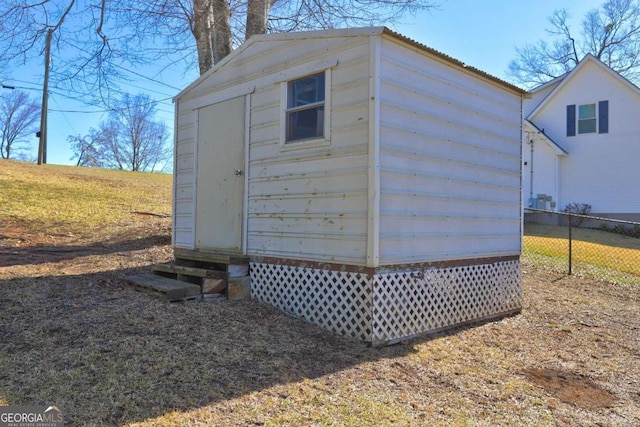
[349, 32]
[455, 61]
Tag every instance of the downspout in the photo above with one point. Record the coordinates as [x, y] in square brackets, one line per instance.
[530, 142]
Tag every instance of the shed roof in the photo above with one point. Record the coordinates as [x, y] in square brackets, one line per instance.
[453, 60]
[349, 32]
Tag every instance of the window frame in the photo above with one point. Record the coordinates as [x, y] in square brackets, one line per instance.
[600, 118]
[320, 141]
[582, 121]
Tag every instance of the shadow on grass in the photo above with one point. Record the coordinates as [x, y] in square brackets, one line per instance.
[41, 253]
[109, 355]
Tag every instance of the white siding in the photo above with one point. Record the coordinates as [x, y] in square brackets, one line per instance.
[184, 179]
[450, 161]
[600, 169]
[544, 166]
[311, 203]
[308, 203]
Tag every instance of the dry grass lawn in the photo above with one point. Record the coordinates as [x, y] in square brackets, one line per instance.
[73, 334]
[613, 253]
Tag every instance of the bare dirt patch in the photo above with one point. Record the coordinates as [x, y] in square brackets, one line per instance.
[570, 387]
[75, 335]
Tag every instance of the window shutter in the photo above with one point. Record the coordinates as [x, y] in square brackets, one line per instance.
[603, 117]
[571, 120]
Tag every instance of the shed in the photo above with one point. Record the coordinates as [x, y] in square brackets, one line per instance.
[372, 183]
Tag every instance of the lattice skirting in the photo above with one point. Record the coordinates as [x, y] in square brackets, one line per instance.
[389, 307]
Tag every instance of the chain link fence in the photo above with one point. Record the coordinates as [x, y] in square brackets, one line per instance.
[581, 244]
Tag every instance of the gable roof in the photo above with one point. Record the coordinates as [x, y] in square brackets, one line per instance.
[566, 78]
[348, 32]
[549, 83]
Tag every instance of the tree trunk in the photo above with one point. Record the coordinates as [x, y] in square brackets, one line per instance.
[202, 20]
[257, 15]
[221, 34]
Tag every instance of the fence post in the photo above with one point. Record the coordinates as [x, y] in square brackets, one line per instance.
[570, 239]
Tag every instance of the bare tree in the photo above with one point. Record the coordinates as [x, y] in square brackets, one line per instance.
[225, 27]
[18, 117]
[130, 139]
[85, 153]
[90, 46]
[93, 40]
[611, 33]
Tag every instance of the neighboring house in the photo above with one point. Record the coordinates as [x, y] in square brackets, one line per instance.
[373, 183]
[582, 142]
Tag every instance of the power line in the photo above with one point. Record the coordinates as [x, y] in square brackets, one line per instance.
[166, 100]
[63, 115]
[110, 109]
[80, 111]
[167, 95]
[148, 78]
[130, 84]
[126, 69]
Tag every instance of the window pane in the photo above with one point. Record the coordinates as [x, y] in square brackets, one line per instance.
[587, 126]
[587, 111]
[305, 124]
[306, 90]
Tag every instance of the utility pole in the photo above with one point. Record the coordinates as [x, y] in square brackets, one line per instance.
[42, 148]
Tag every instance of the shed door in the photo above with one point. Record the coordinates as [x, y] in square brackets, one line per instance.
[220, 175]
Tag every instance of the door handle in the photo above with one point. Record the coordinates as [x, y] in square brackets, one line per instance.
[238, 172]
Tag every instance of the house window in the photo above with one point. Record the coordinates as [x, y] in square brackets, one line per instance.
[589, 118]
[305, 108]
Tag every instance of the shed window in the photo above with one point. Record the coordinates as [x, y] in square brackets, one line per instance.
[305, 108]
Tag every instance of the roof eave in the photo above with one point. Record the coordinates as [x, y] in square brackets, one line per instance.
[559, 151]
[456, 62]
[364, 31]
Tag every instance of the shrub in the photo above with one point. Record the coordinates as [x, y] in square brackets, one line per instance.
[622, 229]
[577, 209]
[627, 231]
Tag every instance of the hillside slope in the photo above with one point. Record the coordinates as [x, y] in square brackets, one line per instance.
[76, 201]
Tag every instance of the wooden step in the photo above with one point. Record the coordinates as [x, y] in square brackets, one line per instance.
[211, 256]
[173, 290]
[190, 271]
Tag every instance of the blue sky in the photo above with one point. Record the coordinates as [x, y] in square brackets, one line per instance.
[481, 33]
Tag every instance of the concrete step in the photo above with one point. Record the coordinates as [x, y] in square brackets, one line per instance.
[171, 289]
